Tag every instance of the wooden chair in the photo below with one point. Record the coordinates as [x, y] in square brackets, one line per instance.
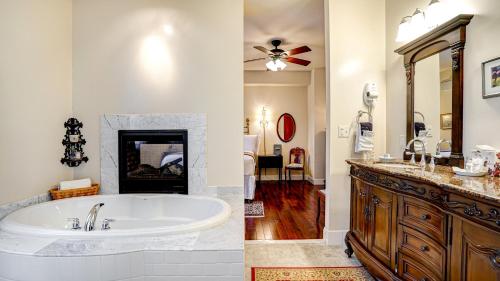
[296, 162]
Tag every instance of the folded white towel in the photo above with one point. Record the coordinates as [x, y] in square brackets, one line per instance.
[75, 184]
[364, 137]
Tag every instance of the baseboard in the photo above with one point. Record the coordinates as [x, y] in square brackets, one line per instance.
[294, 178]
[314, 181]
[335, 237]
[275, 177]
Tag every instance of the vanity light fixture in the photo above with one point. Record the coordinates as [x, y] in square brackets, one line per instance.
[418, 24]
[404, 29]
[433, 13]
[421, 22]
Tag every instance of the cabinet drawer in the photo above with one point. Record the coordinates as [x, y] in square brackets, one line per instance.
[423, 249]
[424, 217]
[410, 269]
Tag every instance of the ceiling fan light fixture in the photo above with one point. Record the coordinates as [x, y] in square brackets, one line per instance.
[275, 65]
[281, 65]
[271, 66]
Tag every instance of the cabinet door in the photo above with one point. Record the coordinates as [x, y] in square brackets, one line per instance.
[382, 225]
[359, 210]
[475, 253]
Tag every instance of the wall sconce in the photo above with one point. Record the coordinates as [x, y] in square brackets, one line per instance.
[264, 123]
[419, 23]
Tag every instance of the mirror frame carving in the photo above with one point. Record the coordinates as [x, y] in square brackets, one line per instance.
[449, 35]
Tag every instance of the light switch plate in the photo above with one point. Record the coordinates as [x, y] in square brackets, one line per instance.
[343, 131]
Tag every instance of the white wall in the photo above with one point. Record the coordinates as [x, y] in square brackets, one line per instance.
[317, 125]
[355, 32]
[277, 100]
[480, 115]
[123, 62]
[35, 95]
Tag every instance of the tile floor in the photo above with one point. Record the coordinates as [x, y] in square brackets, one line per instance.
[294, 254]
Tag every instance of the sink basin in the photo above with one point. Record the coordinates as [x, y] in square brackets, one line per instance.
[397, 166]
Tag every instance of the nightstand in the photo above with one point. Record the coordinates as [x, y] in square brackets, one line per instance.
[270, 161]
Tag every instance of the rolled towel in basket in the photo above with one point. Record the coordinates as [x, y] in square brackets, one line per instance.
[64, 185]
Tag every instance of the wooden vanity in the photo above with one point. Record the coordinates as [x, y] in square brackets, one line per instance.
[407, 224]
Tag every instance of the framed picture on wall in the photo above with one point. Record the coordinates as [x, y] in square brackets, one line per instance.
[446, 121]
[491, 78]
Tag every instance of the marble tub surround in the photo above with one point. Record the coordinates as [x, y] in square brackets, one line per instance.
[194, 123]
[8, 208]
[486, 188]
[227, 236]
[211, 254]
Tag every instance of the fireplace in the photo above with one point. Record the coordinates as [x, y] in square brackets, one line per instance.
[153, 161]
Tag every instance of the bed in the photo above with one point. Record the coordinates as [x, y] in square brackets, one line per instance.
[251, 145]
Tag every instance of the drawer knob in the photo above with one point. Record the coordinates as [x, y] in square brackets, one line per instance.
[425, 217]
[424, 248]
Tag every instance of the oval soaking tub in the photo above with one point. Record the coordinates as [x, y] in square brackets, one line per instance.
[131, 215]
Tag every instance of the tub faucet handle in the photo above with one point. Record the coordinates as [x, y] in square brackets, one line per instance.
[75, 223]
[105, 224]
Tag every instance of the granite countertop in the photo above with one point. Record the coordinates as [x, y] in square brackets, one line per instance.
[227, 236]
[485, 187]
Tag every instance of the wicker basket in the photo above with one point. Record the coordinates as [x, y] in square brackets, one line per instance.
[77, 192]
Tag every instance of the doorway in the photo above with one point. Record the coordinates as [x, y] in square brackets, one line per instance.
[285, 120]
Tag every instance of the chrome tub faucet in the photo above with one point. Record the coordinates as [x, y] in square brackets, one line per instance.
[91, 217]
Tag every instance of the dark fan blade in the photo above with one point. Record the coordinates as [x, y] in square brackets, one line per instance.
[299, 50]
[298, 61]
[262, 49]
[255, 59]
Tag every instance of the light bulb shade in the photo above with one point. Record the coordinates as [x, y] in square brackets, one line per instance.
[418, 24]
[279, 64]
[271, 65]
[434, 14]
[404, 30]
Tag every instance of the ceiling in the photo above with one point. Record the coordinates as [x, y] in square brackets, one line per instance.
[297, 22]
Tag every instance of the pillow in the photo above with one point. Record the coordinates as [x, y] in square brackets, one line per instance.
[251, 143]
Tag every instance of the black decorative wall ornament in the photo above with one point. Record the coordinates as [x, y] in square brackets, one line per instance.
[73, 140]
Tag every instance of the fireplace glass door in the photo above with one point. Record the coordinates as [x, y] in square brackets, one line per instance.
[153, 161]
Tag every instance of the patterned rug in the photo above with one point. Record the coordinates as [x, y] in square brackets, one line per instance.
[310, 274]
[254, 209]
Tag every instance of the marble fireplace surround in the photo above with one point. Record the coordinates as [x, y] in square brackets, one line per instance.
[194, 123]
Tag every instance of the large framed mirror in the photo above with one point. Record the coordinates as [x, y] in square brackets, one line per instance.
[434, 75]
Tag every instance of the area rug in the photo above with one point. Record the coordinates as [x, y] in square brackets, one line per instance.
[254, 209]
[310, 274]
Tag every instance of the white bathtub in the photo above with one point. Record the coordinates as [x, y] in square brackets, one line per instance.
[133, 215]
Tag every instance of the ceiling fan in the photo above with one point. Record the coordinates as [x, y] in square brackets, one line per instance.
[277, 56]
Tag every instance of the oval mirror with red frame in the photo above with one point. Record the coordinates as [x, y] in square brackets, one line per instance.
[286, 127]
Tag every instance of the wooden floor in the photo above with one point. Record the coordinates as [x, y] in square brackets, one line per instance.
[290, 212]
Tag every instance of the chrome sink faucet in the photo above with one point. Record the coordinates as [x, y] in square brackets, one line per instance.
[408, 152]
[438, 146]
[92, 216]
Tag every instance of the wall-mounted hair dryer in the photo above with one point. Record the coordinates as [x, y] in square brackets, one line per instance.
[370, 94]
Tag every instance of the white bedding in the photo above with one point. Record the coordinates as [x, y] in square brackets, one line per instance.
[251, 146]
[249, 165]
